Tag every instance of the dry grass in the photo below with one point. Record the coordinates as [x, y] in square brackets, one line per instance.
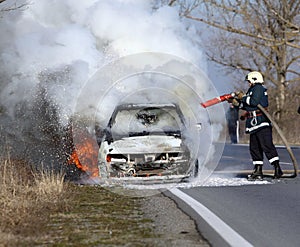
[49, 185]
[27, 199]
[38, 208]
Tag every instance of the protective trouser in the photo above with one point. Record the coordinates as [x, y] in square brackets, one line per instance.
[262, 142]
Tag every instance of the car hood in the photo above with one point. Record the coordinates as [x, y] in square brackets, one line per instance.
[146, 144]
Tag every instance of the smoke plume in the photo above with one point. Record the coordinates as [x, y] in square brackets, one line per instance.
[50, 50]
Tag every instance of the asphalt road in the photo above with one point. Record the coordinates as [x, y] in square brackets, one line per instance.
[263, 214]
[237, 158]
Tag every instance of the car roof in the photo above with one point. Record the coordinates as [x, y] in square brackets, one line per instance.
[145, 105]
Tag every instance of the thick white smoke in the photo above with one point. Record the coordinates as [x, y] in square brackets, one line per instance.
[57, 46]
[78, 37]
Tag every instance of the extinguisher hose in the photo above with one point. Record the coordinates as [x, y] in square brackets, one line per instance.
[292, 156]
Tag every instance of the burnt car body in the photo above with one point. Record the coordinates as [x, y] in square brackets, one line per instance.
[144, 140]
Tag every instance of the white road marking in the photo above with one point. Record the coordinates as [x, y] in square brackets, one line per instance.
[286, 163]
[224, 230]
[227, 157]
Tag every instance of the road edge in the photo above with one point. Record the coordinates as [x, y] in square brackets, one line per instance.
[217, 233]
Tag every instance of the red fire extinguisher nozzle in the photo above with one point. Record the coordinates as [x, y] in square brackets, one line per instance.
[217, 100]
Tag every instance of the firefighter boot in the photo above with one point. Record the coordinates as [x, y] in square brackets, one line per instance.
[257, 173]
[277, 170]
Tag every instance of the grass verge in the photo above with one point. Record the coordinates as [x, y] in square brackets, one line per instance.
[40, 209]
[99, 217]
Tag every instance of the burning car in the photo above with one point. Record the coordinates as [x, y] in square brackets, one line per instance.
[145, 140]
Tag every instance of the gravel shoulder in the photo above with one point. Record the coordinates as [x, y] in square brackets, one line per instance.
[174, 227]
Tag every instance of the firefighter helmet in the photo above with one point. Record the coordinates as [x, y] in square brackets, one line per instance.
[254, 77]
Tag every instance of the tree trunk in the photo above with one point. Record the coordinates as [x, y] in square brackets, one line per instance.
[280, 102]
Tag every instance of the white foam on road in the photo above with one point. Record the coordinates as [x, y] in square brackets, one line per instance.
[213, 181]
[220, 181]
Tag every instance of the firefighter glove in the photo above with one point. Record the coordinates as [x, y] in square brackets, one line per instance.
[239, 95]
[235, 102]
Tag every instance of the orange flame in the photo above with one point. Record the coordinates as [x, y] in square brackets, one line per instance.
[85, 154]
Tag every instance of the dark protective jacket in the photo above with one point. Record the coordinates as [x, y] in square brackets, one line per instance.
[256, 94]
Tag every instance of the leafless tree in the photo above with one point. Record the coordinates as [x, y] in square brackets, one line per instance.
[246, 35]
[11, 5]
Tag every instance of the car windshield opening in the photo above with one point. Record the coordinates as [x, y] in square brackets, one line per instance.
[146, 121]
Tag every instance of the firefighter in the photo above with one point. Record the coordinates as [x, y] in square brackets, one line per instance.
[258, 126]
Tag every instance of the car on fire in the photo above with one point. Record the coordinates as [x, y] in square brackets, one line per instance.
[145, 140]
